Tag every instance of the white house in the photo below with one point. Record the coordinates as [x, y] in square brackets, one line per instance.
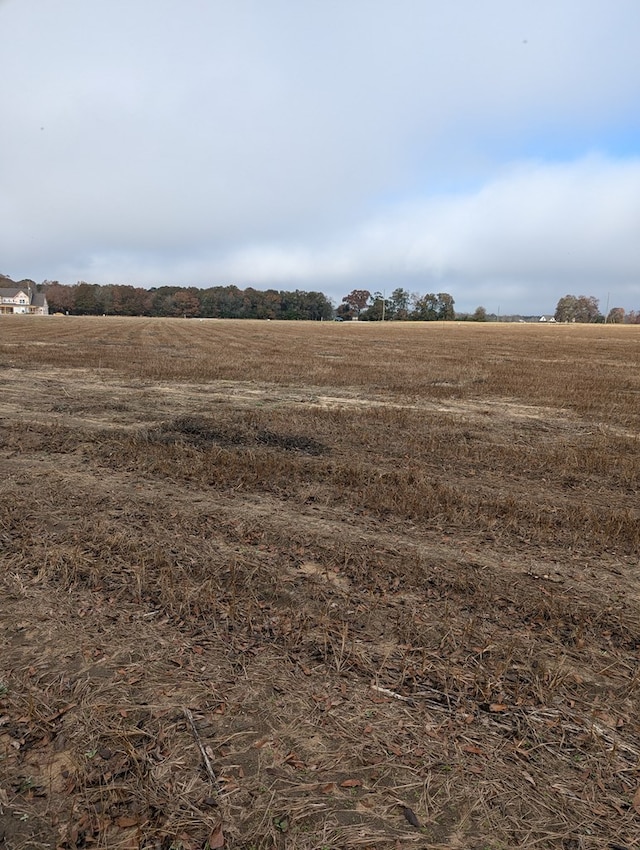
[22, 299]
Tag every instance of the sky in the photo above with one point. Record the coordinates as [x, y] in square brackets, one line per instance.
[485, 148]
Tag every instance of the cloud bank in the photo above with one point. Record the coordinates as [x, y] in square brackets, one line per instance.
[490, 150]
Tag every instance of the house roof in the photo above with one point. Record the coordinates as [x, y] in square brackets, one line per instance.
[11, 292]
[37, 299]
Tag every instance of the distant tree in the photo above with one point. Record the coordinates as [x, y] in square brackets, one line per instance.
[432, 307]
[231, 302]
[305, 305]
[88, 299]
[632, 317]
[28, 284]
[269, 305]
[445, 307]
[566, 309]
[581, 308]
[425, 307]
[124, 300]
[378, 310]
[163, 301]
[616, 316]
[399, 304]
[479, 314]
[60, 296]
[317, 307]
[293, 304]
[186, 303]
[357, 300]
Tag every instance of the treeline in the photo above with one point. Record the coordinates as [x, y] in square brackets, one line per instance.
[401, 305]
[218, 302]
[585, 308]
[231, 302]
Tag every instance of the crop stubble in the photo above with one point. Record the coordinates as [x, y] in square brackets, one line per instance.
[391, 571]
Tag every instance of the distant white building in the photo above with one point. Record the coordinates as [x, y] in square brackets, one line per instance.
[551, 319]
[23, 299]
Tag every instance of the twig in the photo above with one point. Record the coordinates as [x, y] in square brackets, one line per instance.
[387, 693]
[203, 753]
[60, 713]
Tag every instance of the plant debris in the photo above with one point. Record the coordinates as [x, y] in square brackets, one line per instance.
[251, 596]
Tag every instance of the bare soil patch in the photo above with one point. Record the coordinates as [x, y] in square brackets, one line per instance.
[256, 594]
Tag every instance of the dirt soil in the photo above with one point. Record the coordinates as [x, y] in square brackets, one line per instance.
[206, 640]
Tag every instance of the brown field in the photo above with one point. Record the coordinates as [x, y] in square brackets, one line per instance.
[318, 586]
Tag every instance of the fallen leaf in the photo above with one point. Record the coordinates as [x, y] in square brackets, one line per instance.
[186, 841]
[498, 706]
[126, 821]
[477, 751]
[216, 839]
[328, 788]
[350, 783]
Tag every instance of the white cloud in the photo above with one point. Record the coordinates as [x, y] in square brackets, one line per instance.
[536, 226]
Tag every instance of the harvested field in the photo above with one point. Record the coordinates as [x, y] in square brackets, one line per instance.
[312, 586]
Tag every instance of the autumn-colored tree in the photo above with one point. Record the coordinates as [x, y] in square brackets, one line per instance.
[187, 303]
[615, 316]
[379, 309]
[60, 297]
[357, 300]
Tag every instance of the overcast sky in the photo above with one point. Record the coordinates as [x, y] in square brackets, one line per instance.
[486, 148]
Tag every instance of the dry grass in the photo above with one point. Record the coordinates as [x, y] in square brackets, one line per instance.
[390, 570]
